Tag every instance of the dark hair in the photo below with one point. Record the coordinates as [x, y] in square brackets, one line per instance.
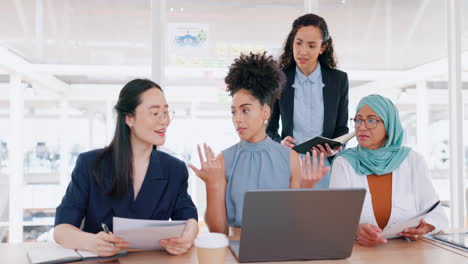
[327, 58]
[120, 147]
[258, 74]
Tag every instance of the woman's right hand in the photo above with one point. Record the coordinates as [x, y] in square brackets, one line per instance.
[211, 171]
[312, 173]
[369, 235]
[289, 142]
[106, 245]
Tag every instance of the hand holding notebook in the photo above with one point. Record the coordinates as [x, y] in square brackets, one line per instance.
[306, 146]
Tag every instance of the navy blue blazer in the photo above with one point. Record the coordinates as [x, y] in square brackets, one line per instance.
[335, 103]
[163, 194]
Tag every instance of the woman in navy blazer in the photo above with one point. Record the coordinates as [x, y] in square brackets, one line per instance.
[308, 53]
[129, 178]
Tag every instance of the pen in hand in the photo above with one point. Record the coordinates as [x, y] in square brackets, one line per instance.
[106, 229]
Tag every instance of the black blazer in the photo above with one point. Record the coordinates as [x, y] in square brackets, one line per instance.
[163, 194]
[335, 103]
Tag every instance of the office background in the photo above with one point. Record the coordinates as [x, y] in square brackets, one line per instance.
[62, 64]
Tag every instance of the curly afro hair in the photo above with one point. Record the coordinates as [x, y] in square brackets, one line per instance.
[258, 74]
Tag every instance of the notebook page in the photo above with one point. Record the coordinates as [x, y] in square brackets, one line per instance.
[52, 254]
[87, 254]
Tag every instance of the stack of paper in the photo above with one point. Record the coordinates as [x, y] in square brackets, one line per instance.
[392, 231]
[145, 234]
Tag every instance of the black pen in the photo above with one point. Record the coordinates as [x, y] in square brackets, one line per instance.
[106, 229]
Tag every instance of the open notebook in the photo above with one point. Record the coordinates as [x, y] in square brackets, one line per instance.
[58, 254]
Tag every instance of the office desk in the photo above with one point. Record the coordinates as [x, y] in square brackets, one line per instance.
[394, 252]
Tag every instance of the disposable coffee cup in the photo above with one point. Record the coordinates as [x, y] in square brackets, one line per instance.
[211, 248]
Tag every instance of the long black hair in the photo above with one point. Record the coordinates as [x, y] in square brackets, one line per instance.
[120, 148]
[327, 58]
[257, 73]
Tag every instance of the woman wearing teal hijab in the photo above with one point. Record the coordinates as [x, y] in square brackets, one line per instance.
[396, 178]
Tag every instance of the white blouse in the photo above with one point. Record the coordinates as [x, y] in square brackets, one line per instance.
[412, 191]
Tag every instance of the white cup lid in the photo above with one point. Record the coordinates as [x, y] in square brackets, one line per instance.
[211, 240]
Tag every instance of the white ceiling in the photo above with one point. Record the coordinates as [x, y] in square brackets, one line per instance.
[368, 35]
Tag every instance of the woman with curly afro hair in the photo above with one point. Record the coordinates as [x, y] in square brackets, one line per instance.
[257, 162]
[314, 101]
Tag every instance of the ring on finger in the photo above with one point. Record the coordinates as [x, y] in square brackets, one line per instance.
[416, 236]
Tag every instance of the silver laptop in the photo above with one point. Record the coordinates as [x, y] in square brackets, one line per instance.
[298, 224]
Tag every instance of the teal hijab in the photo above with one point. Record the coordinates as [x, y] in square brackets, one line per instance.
[387, 158]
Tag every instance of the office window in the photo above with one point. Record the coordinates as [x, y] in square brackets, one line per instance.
[81, 53]
[72, 59]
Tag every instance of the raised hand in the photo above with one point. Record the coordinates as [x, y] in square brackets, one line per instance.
[212, 168]
[312, 173]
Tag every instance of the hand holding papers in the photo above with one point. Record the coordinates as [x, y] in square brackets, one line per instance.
[145, 234]
[394, 230]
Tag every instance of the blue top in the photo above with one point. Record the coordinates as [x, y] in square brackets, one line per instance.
[252, 166]
[308, 105]
[163, 194]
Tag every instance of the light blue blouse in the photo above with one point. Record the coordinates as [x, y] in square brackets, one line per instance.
[309, 111]
[308, 105]
[251, 166]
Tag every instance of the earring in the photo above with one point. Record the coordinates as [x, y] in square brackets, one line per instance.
[265, 122]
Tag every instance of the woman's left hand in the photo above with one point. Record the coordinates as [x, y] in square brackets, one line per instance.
[418, 232]
[327, 151]
[180, 245]
[312, 173]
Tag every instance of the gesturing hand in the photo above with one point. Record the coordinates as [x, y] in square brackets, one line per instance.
[312, 173]
[212, 168]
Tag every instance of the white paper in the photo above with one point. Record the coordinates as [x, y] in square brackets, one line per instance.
[145, 234]
[392, 231]
[121, 223]
[87, 254]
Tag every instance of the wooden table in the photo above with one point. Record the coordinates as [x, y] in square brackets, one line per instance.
[394, 252]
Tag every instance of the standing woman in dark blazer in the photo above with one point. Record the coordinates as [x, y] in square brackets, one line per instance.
[314, 101]
[129, 178]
